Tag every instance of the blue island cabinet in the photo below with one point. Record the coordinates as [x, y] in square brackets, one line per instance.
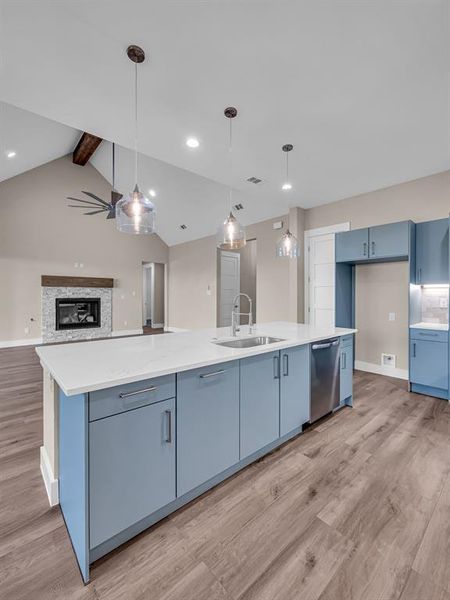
[294, 388]
[208, 423]
[260, 402]
[429, 365]
[346, 372]
[132, 468]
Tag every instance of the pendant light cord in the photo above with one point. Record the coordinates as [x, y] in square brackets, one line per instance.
[114, 166]
[230, 150]
[135, 123]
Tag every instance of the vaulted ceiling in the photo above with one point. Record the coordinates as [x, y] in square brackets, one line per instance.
[359, 88]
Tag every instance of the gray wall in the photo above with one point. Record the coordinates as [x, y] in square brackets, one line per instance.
[40, 235]
[248, 275]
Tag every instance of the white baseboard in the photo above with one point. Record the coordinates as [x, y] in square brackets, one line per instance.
[360, 365]
[51, 484]
[25, 342]
[119, 332]
[175, 329]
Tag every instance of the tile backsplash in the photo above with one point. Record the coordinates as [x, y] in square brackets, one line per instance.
[435, 304]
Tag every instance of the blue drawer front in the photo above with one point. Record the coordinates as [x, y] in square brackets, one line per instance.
[121, 398]
[431, 335]
[347, 340]
[429, 363]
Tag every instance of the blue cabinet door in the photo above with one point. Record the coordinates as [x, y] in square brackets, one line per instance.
[131, 467]
[260, 401]
[294, 388]
[429, 363]
[346, 389]
[352, 245]
[208, 423]
[432, 252]
[389, 241]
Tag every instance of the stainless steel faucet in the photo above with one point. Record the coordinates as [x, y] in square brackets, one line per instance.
[235, 314]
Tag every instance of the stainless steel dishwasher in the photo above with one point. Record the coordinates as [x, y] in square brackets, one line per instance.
[325, 377]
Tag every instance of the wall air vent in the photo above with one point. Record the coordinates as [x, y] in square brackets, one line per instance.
[183, 226]
[254, 180]
[238, 206]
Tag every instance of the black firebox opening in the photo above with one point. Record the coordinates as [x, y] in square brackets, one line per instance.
[77, 313]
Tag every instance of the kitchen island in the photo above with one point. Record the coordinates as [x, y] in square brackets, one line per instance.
[140, 426]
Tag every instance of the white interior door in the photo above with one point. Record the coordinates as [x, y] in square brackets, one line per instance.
[321, 282]
[147, 293]
[229, 285]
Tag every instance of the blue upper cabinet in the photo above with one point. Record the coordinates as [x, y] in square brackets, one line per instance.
[208, 423]
[352, 246]
[131, 467]
[432, 252]
[389, 241]
[294, 388]
[260, 401]
[383, 242]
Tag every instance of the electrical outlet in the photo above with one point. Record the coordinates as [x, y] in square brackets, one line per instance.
[27, 330]
[133, 293]
[391, 316]
[208, 290]
[81, 265]
[125, 323]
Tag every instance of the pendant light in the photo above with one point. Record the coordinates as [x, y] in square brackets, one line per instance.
[287, 245]
[135, 213]
[287, 185]
[231, 234]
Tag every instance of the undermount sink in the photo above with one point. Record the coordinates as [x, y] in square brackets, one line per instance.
[260, 340]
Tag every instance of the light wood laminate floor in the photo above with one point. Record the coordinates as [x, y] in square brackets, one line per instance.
[356, 508]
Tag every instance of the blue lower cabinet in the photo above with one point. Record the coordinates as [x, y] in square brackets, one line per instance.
[429, 363]
[295, 388]
[131, 467]
[346, 374]
[260, 402]
[208, 423]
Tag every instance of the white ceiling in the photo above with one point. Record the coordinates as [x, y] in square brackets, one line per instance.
[34, 139]
[359, 88]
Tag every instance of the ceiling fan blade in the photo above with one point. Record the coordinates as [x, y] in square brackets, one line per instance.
[95, 212]
[88, 202]
[95, 197]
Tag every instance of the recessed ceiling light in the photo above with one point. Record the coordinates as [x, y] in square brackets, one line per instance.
[286, 186]
[152, 193]
[192, 142]
[11, 154]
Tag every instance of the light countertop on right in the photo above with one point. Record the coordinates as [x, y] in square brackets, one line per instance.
[436, 326]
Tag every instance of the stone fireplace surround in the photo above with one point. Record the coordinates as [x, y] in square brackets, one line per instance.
[54, 287]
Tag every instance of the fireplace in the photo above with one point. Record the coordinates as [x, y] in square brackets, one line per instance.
[77, 313]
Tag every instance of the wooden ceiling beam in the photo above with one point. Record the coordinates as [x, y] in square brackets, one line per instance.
[86, 147]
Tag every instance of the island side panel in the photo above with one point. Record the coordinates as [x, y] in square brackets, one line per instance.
[49, 453]
[73, 474]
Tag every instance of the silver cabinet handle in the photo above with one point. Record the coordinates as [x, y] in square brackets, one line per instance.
[365, 249]
[419, 274]
[414, 350]
[373, 248]
[429, 334]
[128, 394]
[206, 375]
[276, 367]
[168, 414]
[285, 365]
[344, 362]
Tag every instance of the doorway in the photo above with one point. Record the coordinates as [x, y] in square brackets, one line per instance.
[236, 273]
[153, 296]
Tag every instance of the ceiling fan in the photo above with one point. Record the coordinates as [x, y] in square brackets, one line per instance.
[96, 202]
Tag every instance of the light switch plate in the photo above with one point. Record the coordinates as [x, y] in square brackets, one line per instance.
[391, 316]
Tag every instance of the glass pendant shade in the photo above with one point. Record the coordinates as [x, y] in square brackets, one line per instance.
[135, 213]
[231, 234]
[288, 246]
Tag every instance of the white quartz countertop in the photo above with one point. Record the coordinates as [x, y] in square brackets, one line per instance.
[436, 326]
[94, 365]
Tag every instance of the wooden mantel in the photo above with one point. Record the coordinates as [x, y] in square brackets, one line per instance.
[88, 282]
